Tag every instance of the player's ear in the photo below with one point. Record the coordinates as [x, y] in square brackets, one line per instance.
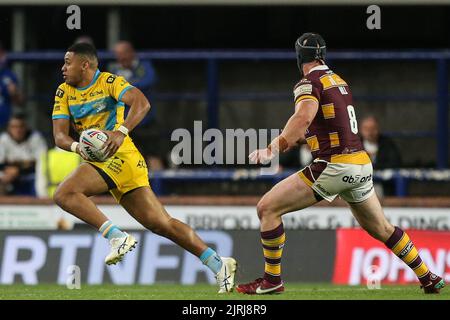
[85, 65]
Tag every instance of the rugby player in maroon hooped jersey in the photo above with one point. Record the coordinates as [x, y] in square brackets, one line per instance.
[325, 118]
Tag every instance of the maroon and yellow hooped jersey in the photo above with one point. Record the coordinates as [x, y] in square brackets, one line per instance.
[333, 133]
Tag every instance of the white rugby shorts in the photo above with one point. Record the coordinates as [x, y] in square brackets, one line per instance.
[352, 182]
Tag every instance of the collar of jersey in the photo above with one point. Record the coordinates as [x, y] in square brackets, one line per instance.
[96, 75]
[321, 67]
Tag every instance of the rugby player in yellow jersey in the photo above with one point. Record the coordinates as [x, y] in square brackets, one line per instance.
[92, 99]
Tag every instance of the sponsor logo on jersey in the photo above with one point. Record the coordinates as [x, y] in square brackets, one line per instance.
[303, 89]
[59, 93]
[96, 93]
[111, 79]
[99, 106]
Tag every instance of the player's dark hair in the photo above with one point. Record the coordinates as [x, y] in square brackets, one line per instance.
[84, 49]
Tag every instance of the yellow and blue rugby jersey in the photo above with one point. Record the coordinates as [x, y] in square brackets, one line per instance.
[98, 105]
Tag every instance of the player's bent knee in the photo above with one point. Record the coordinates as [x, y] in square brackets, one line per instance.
[263, 209]
[60, 197]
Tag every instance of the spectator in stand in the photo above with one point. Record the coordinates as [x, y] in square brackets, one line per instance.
[20, 149]
[382, 151]
[9, 92]
[142, 75]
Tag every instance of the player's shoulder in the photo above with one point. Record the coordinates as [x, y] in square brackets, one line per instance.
[63, 89]
[306, 85]
[309, 79]
[108, 77]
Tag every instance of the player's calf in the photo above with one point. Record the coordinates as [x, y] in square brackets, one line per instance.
[402, 246]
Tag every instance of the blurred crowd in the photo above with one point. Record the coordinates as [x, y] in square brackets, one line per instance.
[28, 166]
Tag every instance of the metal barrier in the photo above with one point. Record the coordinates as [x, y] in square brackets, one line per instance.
[401, 177]
[159, 179]
[213, 96]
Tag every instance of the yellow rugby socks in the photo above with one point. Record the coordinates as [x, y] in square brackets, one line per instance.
[273, 243]
[404, 248]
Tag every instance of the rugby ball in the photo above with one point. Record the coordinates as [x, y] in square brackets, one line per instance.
[91, 144]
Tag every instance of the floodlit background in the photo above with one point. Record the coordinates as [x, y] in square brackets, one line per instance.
[230, 65]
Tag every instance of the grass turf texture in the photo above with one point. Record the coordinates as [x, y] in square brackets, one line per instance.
[294, 291]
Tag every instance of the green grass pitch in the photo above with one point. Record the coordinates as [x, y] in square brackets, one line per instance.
[294, 291]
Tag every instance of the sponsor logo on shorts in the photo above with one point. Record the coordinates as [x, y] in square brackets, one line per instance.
[357, 179]
[364, 193]
[322, 189]
[142, 164]
[115, 165]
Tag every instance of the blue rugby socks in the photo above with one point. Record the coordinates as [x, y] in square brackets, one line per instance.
[211, 259]
[110, 231]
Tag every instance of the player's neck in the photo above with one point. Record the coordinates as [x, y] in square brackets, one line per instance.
[87, 79]
[308, 66]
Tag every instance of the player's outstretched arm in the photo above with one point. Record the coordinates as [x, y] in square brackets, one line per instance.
[139, 106]
[293, 132]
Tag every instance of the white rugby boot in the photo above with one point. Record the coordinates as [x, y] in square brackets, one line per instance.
[119, 247]
[225, 277]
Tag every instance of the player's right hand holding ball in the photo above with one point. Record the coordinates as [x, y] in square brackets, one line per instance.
[115, 140]
[82, 154]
